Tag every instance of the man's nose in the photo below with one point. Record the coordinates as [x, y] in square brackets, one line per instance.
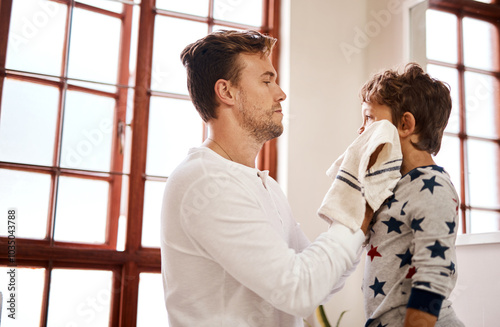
[281, 94]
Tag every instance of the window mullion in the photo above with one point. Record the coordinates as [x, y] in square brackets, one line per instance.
[59, 127]
[5, 13]
[129, 294]
[117, 147]
[140, 125]
[46, 292]
[464, 190]
[130, 277]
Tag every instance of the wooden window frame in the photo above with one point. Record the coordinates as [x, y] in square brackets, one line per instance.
[486, 12]
[126, 265]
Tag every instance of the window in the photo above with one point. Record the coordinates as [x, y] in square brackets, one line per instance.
[94, 115]
[462, 48]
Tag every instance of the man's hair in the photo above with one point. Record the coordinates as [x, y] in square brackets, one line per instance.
[215, 57]
[414, 91]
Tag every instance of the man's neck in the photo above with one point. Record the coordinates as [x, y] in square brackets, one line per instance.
[232, 144]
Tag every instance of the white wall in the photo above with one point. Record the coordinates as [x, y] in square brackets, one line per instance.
[476, 297]
[323, 114]
[329, 49]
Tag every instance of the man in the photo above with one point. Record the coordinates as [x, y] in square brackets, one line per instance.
[232, 254]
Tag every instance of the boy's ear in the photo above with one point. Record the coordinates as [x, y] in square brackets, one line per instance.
[224, 92]
[406, 125]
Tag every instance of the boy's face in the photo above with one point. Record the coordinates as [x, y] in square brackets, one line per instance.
[372, 112]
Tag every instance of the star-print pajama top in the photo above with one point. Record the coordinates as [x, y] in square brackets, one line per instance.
[411, 258]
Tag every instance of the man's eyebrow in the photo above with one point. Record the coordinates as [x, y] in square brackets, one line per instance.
[268, 73]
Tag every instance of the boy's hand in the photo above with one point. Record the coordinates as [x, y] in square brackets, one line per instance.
[417, 318]
[368, 210]
[368, 219]
[374, 156]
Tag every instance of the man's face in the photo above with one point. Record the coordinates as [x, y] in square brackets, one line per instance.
[372, 112]
[259, 97]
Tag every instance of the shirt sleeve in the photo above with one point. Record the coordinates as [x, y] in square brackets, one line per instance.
[434, 224]
[233, 231]
[425, 301]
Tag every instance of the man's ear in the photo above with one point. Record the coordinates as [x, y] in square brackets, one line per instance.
[406, 125]
[224, 92]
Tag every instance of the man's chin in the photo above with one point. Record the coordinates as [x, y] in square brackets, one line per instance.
[277, 131]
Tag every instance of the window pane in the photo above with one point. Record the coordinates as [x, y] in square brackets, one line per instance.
[481, 91]
[151, 307]
[87, 131]
[174, 128]
[168, 73]
[134, 39]
[483, 174]
[28, 122]
[36, 36]
[449, 158]
[122, 220]
[480, 42]
[29, 194]
[80, 298]
[243, 12]
[441, 35]
[153, 197]
[81, 210]
[193, 7]
[108, 5]
[484, 221]
[449, 76]
[30, 283]
[95, 43]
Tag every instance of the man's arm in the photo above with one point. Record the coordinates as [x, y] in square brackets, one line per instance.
[234, 231]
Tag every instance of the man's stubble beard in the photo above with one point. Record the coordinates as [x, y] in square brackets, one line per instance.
[262, 128]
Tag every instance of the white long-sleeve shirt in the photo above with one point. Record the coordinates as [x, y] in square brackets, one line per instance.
[232, 254]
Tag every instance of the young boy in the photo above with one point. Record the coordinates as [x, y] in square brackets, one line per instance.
[411, 264]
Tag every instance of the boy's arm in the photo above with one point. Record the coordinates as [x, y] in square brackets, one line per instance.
[417, 318]
[434, 229]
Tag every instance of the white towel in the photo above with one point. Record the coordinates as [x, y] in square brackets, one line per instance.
[354, 184]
